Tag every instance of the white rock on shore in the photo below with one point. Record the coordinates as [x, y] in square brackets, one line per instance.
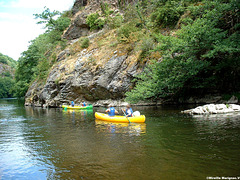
[214, 109]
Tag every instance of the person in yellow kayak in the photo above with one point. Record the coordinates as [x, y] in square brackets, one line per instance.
[128, 111]
[72, 104]
[111, 110]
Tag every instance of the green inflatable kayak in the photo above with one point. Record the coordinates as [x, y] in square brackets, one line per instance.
[77, 107]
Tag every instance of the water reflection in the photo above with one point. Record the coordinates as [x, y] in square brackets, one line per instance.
[58, 144]
[232, 116]
[216, 122]
[129, 128]
[80, 114]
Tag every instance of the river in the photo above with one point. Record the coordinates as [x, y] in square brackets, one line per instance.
[38, 143]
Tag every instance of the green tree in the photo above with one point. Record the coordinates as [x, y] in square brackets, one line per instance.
[35, 61]
[47, 17]
[202, 55]
[7, 60]
[6, 84]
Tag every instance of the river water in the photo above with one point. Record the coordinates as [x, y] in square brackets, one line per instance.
[38, 143]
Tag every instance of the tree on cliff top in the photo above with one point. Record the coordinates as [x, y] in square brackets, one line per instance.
[35, 62]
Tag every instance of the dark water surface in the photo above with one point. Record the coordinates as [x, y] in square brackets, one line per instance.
[40, 143]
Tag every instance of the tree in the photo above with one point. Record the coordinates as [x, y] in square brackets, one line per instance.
[35, 61]
[47, 17]
[6, 84]
[203, 55]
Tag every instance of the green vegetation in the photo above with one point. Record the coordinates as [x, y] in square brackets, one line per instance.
[94, 21]
[6, 87]
[186, 46]
[6, 76]
[7, 60]
[85, 43]
[167, 13]
[40, 56]
[202, 55]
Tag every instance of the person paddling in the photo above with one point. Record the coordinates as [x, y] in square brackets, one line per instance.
[83, 104]
[111, 110]
[128, 111]
[72, 104]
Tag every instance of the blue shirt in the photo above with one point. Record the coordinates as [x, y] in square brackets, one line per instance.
[111, 111]
[72, 103]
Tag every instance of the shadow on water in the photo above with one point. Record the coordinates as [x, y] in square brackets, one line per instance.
[71, 144]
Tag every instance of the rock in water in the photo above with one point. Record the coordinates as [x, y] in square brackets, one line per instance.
[214, 109]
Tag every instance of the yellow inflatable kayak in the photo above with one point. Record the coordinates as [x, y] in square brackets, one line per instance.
[121, 119]
[77, 107]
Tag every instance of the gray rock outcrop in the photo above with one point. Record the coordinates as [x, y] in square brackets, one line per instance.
[81, 9]
[83, 77]
[214, 109]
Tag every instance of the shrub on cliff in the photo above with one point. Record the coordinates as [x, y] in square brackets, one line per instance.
[85, 43]
[94, 21]
[167, 14]
[125, 31]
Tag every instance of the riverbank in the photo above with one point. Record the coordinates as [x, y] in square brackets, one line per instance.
[208, 99]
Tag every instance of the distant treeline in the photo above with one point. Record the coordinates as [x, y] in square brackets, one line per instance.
[7, 60]
[6, 77]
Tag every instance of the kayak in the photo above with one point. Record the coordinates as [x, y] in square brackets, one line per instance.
[77, 107]
[121, 119]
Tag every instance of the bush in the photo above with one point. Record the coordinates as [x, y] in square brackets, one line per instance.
[94, 21]
[85, 43]
[125, 31]
[115, 22]
[147, 44]
[167, 15]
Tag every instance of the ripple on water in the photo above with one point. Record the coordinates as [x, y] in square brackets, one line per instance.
[53, 144]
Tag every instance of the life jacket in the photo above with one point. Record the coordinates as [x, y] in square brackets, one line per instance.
[129, 112]
[112, 111]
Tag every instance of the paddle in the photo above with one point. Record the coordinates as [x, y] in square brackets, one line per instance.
[126, 116]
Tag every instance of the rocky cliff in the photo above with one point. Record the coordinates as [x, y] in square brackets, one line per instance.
[102, 71]
[82, 8]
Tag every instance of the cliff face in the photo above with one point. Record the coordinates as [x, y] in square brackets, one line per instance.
[79, 26]
[102, 71]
